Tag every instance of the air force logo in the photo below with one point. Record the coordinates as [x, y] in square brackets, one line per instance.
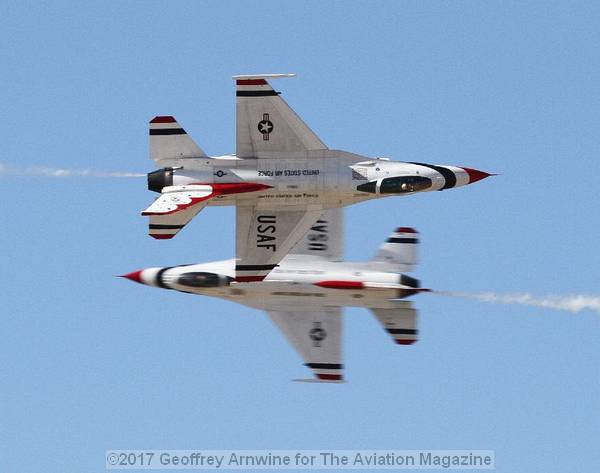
[317, 334]
[265, 126]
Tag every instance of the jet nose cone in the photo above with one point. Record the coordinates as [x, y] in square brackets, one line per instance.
[476, 175]
[136, 276]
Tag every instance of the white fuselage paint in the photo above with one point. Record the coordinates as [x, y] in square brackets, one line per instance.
[292, 284]
[324, 177]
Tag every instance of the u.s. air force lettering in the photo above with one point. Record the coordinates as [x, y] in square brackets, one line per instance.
[265, 232]
[317, 237]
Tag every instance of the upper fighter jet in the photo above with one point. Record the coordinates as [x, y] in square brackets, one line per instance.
[304, 296]
[281, 179]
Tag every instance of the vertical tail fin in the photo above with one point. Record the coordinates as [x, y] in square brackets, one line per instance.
[169, 141]
[400, 249]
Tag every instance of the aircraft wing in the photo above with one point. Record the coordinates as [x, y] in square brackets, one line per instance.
[325, 239]
[317, 337]
[265, 123]
[265, 236]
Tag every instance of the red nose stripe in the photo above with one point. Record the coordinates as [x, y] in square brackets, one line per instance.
[475, 175]
[136, 276]
[341, 284]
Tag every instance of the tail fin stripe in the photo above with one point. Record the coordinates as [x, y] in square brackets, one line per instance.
[325, 366]
[402, 240]
[167, 131]
[402, 331]
[163, 119]
[256, 93]
[251, 82]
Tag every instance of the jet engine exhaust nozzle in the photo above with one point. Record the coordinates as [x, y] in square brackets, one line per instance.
[159, 179]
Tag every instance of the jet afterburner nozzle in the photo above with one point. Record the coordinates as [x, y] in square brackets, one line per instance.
[160, 178]
[412, 286]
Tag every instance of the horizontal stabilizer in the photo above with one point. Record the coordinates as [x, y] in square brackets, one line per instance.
[175, 207]
[177, 198]
[400, 324]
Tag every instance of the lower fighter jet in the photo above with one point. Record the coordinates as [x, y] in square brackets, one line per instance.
[304, 295]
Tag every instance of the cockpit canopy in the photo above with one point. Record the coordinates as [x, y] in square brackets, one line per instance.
[397, 185]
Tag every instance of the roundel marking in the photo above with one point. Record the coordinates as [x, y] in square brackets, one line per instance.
[317, 334]
[265, 126]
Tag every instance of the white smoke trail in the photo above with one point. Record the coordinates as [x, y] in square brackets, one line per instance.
[573, 303]
[61, 172]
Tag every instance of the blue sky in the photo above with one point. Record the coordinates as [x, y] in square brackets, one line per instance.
[91, 362]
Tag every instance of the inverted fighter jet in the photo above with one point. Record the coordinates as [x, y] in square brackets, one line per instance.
[305, 294]
[281, 179]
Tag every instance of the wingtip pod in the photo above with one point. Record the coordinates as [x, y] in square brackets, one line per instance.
[262, 76]
[320, 381]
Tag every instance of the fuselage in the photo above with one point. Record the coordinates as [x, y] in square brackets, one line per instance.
[328, 178]
[297, 281]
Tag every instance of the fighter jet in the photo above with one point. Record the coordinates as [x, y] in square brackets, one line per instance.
[305, 294]
[282, 178]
